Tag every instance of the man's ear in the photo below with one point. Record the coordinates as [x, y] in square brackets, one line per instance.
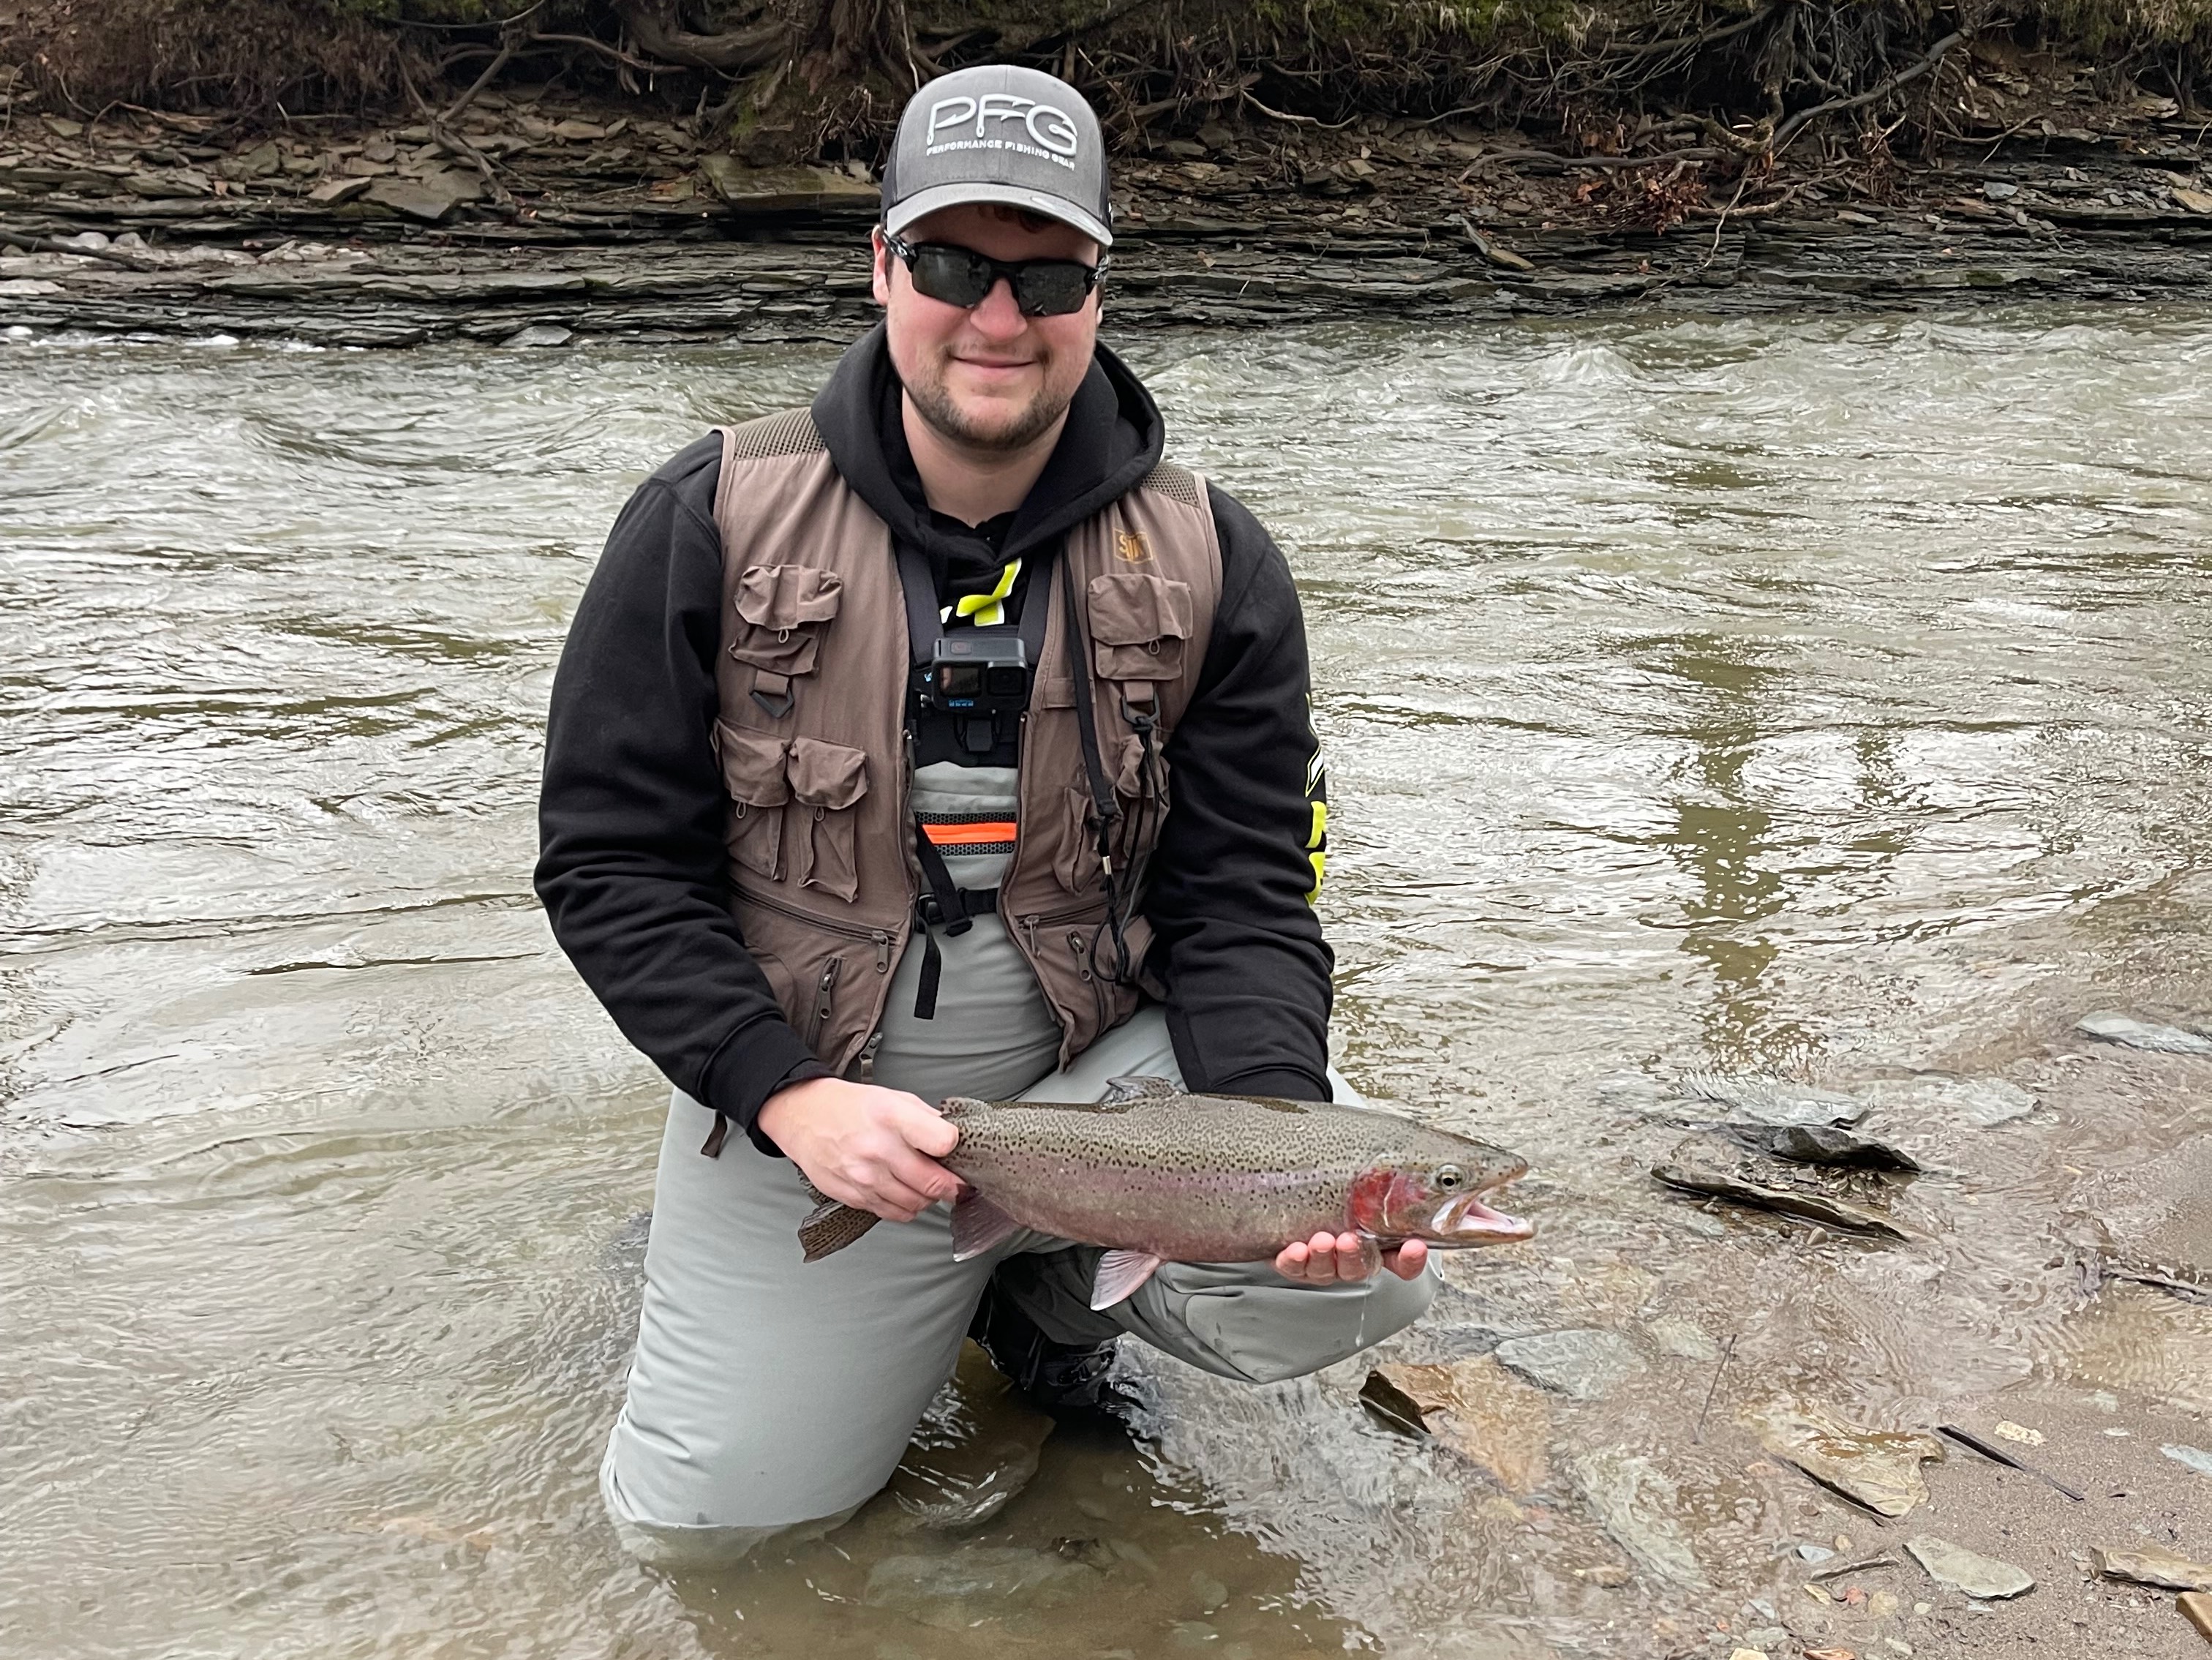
[879, 266]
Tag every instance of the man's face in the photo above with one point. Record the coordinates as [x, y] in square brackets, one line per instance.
[989, 378]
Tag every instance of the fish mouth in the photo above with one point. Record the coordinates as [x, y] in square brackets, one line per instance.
[1466, 1220]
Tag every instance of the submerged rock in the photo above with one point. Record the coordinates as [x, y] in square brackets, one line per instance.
[2147, 1565]
[1979, 1103]
[2194, 1458]
[1774, 1102]
[1879, 1468]
[2110, 1026]
[1968, 1571]
[1472, 1407]
[1634, 1502]
[955, 1590]
[1581, 1364]
[1822, 1144]
[1704, 1163]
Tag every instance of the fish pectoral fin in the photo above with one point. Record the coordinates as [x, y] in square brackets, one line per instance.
[1120, 1273]
[978, 1225]
[1127, 1092]
[830, 1226]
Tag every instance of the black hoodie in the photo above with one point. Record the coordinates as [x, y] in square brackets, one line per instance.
[632, 813]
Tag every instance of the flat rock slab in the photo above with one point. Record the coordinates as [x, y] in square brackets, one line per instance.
[2110, 1026]
[1582, 1365]
[1634, 1502]
[2196, 1609]
[1774, 1102]
[954, 1590]
[1969, 1571]
[2147, 1565]
[1475, 1407]
[1879, 1468]
[1977, 1103]
[1708, 1165]
[787, 189]
[2194, 1458]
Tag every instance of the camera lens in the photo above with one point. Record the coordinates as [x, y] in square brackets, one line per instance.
[1004, 681]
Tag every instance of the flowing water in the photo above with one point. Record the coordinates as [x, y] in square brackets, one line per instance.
[1824, 699]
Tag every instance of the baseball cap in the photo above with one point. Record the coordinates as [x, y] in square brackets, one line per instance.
[999, 132]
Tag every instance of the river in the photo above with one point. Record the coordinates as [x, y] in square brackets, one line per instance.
[1827, 699]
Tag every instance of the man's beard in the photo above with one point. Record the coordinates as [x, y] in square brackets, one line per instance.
[935, 406]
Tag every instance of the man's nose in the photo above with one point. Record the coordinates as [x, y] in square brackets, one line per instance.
[999, 314]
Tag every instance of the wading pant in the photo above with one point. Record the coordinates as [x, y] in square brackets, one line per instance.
[768, 1394]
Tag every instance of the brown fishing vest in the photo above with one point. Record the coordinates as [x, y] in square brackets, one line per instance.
[812, 676]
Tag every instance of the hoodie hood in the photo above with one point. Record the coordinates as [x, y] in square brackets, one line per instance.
[1112, 440]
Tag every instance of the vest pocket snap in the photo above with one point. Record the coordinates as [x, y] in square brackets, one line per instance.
[753, 772]
[827, 783]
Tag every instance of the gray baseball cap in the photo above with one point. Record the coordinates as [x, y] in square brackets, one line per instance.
[999, 133]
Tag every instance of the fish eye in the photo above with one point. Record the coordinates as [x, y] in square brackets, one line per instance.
[1447, 1177]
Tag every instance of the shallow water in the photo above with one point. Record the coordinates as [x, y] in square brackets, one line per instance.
[1827, 699]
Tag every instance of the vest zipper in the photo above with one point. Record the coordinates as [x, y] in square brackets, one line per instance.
[879, 937]
[822, 990]
[868, 1057]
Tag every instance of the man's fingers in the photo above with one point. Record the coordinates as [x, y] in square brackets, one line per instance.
[1409, 1260]
[923, 1176]
[927, 1130]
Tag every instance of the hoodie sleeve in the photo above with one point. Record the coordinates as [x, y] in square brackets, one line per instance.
[1237, 943]
[631, 810]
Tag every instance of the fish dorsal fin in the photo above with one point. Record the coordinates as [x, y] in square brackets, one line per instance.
[1128, 1091]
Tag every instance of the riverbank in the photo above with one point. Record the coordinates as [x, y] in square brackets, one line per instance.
[556, 217]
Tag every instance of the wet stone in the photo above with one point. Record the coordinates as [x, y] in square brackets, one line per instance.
[961, 1586]
[1771, 1102]
[1968, 1571]
[1879, 1468]
[1976, 1103]
[1474, 1408]
[1581, 1364]
[2110, 1026]
[1634, 1502]
[1708, 1165]
[2194, 1458]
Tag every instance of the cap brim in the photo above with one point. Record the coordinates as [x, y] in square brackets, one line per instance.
[923, 202]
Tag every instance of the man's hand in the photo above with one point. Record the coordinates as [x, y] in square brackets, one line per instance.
[1327, 1258]
[874, 1149]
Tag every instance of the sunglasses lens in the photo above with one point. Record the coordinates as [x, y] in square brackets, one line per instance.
[1053, 287]
[954, 276]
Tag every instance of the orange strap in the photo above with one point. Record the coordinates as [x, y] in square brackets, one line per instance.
[970, 835]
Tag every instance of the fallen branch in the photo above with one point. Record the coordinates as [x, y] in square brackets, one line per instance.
[738, 51]
[1294, 120]
[54, 244]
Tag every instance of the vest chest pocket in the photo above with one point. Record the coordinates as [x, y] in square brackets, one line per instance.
[1139, 624]
[753, 772]
[781, 612]
[827, 782]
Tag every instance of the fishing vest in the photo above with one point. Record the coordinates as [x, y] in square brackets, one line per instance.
[812, 682]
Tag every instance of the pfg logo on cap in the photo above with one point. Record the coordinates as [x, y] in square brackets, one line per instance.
[1053, 134]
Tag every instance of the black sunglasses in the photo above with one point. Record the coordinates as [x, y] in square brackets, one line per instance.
[962, 277]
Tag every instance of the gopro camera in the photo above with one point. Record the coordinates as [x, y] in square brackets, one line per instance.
[981, 680]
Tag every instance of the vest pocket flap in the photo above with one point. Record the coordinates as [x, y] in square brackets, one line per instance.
[785, 596]
[827, 775]
[1138, 626]
[752, 765]
[1136, 610]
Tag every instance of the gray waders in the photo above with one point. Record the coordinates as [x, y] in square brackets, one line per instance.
[769, 1394]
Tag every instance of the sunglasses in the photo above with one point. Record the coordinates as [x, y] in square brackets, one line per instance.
[962, 277]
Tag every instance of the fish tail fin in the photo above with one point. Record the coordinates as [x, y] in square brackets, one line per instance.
[830, 1226]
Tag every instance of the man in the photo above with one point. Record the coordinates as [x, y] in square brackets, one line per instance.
[938, 740]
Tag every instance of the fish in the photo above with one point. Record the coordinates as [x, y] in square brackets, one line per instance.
[1156, 1175]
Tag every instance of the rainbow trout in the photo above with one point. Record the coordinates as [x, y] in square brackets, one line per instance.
[1156, 1176]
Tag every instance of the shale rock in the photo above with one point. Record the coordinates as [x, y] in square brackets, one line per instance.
[1968, 1571]
[1474, 1408]
[2147, 1565]
[2110, 1026]
[1581, 1364]
[1634, 1502]
[956, 1590]
[1707, 1164]
[2194, 1458]
[1979, 1103]
[1879, 1468]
